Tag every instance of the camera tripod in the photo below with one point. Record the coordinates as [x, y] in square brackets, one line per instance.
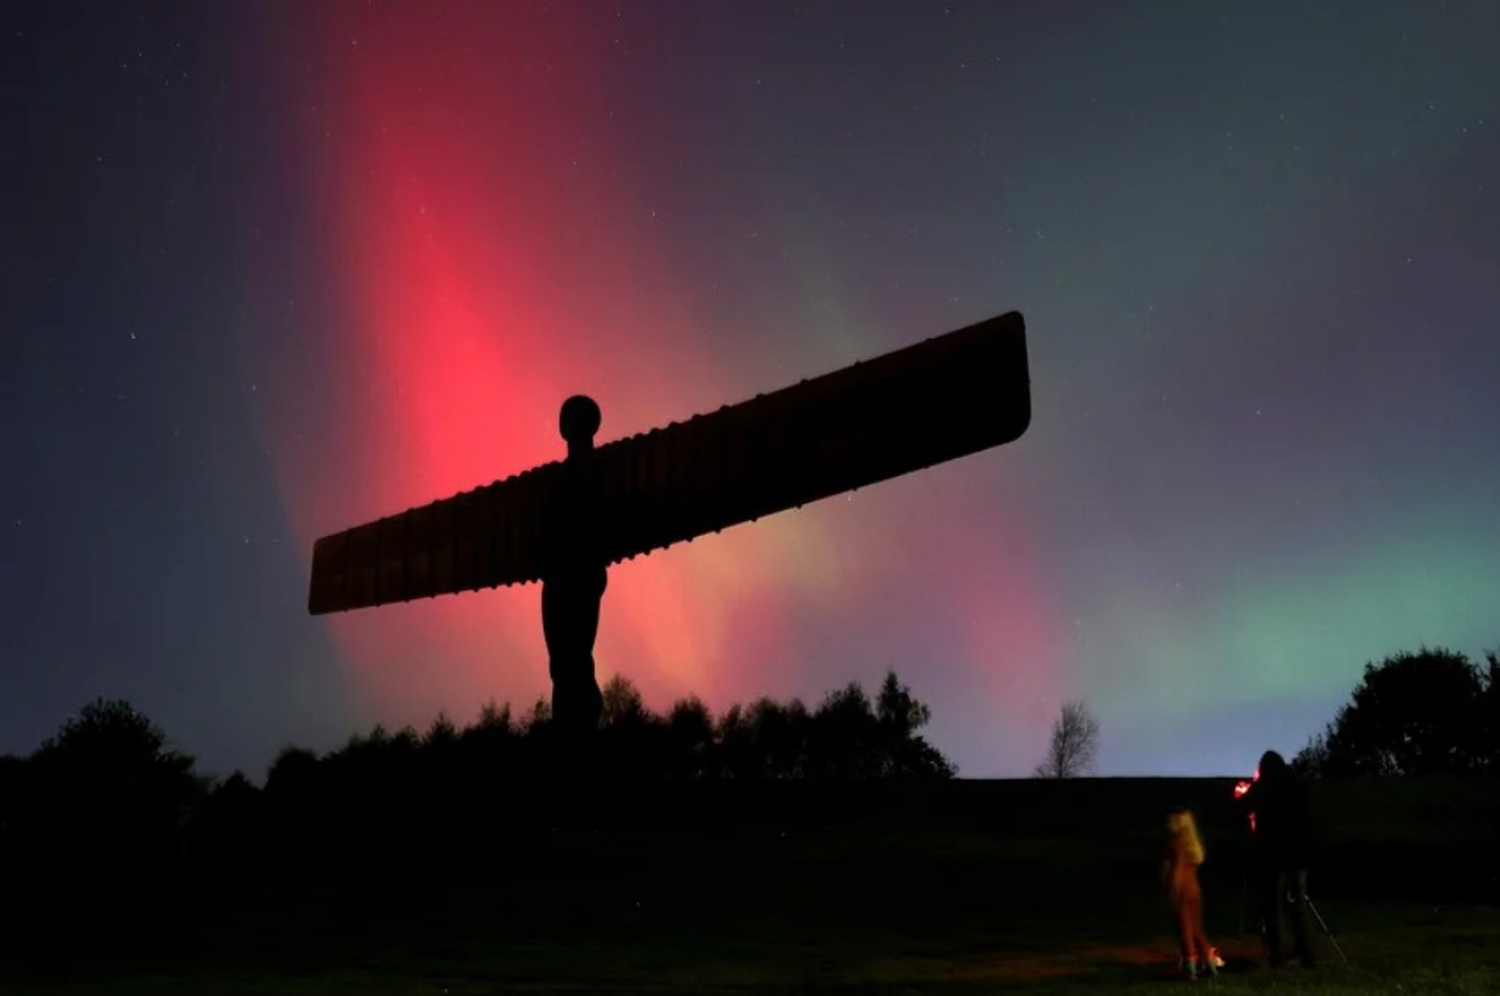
[1261, 923]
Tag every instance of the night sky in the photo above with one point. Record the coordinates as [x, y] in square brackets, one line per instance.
[272, 270]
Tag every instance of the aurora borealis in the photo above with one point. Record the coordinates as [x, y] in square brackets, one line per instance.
[274, 270]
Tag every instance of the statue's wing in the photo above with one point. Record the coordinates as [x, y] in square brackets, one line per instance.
[483, 538]
[907, 410]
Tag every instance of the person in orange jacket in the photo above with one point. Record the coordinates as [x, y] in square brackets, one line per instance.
[1184, 853]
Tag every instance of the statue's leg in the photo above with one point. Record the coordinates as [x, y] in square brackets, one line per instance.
[570, 623]
[590, 602]
[557, 631]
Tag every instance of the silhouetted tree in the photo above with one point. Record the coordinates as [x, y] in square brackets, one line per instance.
[899, 712]
[13, 785]
[779, 735]
[494, 722]
[623, 704]
[1312, 760]
[111, 799]
[1414, 713]
[539, 716]
[904, 752]
[295, 803]
[227, 825]
[111, 742]
[1489, 714]
[294, 773]
[491, 749]
[690, 728]
[736, 753]
[442, 735]
[845, 739]
[1074, 742]
[634, 742]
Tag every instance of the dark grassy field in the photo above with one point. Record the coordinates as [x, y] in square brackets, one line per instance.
[972, 887]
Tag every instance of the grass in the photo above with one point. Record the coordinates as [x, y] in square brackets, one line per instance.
[1453, 954]
[999, 894]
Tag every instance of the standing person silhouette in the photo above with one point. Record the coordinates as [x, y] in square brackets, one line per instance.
[1281, 849]
[574, 577]
[1184, 853]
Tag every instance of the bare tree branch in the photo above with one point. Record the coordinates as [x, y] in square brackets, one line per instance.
[1075, 740]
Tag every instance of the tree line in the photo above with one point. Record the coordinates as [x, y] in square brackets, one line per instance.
[109, 799]
[1430, 712]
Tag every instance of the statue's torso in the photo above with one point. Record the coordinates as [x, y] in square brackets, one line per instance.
[573, 531]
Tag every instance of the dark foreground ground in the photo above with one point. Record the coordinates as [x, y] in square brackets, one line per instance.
[971, 888]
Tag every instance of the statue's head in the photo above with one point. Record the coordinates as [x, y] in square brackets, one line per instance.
[579, 421]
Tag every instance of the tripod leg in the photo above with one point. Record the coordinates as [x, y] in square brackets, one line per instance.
[1323, 926]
